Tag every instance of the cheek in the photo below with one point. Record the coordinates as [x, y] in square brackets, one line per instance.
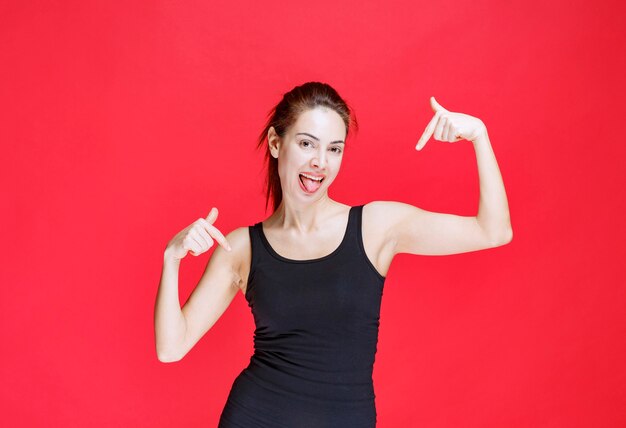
[287, 167]
[292, 159]
[334, 170]
[282, 172]
[337, 162]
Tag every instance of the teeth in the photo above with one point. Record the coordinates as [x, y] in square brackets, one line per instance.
[312, 178]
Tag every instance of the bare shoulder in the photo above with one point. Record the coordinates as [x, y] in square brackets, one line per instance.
[239, 240]
[229, 266]
[383, 229]
[382, 210]
[378, 239]
[380, 217]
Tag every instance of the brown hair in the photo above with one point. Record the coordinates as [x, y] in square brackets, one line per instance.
[300, 99]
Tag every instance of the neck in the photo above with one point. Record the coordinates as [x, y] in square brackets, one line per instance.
[301, 217]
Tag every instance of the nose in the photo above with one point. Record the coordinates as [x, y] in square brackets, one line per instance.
[319, 160]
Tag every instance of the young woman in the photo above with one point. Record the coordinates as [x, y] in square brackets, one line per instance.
[313, 271]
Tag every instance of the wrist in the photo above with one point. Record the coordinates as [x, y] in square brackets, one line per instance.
[480, 135]
[169, 258]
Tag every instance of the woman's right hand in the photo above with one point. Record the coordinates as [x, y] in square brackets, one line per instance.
[196, 238]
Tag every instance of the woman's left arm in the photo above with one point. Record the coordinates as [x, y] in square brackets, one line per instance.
[416, 231]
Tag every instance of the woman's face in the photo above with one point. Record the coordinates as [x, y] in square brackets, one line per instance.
[312, 149]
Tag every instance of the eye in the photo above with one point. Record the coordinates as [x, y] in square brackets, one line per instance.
[305, 143]
[336, 150]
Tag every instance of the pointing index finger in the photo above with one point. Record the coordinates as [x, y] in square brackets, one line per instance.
[212, 215]
[221, 239]
[435, 105]
[428, 132]
[217, 235]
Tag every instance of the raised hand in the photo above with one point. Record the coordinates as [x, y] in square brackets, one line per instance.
[197, 238]
[450, 127]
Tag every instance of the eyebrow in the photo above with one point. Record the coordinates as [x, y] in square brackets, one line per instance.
[315, 138]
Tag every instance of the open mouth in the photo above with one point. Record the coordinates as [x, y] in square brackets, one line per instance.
[309, 183]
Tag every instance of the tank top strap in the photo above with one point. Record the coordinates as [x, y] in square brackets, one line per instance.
[354, 224]
[353, 232]
[355, 239]
[256, 247]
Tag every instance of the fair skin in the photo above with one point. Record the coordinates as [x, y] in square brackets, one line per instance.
[308, 224]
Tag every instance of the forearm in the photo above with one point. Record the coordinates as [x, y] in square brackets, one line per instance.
[493, 209]
[169, 321]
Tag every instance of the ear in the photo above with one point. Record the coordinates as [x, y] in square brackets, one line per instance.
[274, 142]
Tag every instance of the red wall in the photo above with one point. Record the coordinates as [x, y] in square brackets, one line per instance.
[123, 122]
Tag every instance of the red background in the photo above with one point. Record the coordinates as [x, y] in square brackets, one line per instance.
[123, 122]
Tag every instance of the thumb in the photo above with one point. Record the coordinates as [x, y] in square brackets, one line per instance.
[435, 105]
[212, 215]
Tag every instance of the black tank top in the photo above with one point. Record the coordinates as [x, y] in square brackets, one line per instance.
[315, 339]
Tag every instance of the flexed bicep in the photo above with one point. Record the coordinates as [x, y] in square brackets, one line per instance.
[421, 232]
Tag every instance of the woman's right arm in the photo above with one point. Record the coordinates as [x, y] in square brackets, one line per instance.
[178, 330]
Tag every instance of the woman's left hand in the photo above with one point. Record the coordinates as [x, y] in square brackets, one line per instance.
[450, 127]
